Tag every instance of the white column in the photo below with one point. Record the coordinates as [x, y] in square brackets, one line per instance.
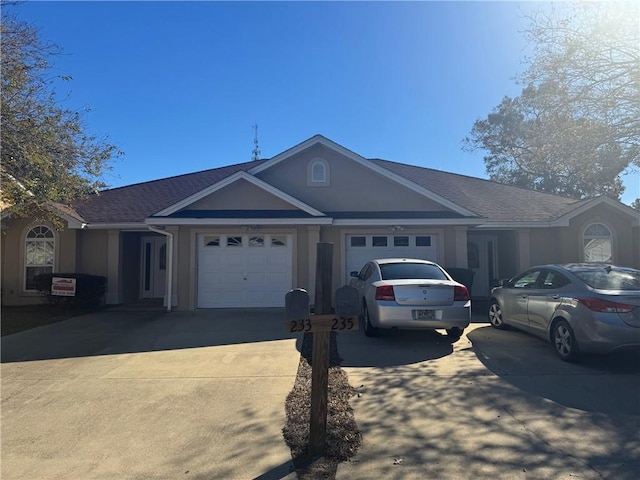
[175, 266]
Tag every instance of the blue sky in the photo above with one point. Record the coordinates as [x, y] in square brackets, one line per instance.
[179, 85]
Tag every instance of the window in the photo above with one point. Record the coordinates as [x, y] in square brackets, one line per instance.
[596, 243]
[212, 240]
[256, 241]
[365, 273]
[278, 240]
[39, 254]
[379, 241]
[318, 174]
[554, 280]
[423, 241]
[401, 241]
[527, 279]
[234, 241]
[397, 271]
[358, 241]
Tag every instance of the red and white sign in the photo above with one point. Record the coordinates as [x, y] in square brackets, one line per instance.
[65, 287]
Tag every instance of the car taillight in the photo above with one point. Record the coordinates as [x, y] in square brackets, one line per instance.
[599, 305]
[460, 294]
[385, 292]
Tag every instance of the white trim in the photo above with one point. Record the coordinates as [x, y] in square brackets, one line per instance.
[168, 297]
[319, 139]
[72, 223]
[512, 225]
[232, 179]
[564, 220]
[356, 222]
[326, 174]
[238, 221]
[23, 253]
[116, 226]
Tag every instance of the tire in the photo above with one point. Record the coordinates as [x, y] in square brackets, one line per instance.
[495, 316]
[564, 341]
[369, 330]
[455, 332]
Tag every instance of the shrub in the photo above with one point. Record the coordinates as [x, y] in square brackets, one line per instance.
[90, 289]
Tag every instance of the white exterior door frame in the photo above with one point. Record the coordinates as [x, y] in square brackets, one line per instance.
[153, 267]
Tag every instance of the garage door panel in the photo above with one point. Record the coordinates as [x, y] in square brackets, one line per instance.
[277, 277]
[243, 271]
[362, 248]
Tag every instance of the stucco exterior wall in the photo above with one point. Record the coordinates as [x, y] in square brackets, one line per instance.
[92, 252]
[547, 246]
[131, 266]
[352, 187]
[185, 268]
[241, 195]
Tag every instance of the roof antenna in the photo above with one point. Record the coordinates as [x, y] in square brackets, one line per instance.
[256, 150]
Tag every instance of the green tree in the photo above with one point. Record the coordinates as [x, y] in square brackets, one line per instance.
[575, 128]
[47, 156]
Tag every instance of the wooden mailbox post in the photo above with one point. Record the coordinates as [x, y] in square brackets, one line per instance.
[300, 320]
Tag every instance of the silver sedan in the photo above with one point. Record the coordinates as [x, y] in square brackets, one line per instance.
[411, 293]
[579, 308]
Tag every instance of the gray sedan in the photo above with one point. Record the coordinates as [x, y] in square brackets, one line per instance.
[411, 293]
[579, 308]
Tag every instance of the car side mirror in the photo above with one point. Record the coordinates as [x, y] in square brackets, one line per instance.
[504, 282]
[353, 274]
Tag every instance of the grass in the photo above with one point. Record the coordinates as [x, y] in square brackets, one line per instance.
[343, 436]
[16, 319]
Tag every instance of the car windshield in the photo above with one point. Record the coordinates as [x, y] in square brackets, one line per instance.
[608, 279]
[397, 271]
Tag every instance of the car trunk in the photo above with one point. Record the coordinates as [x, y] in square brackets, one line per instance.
[425, 293]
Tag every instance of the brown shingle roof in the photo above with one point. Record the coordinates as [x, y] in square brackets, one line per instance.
[490, 200]
[494, 201]
[134, 203]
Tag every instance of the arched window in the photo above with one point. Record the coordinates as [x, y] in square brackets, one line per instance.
[318, 173]
[39, 254]
[597, 245]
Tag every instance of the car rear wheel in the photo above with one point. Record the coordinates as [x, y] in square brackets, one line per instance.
[564, 341]
[369, 330]
[495, 315]
[454, 332]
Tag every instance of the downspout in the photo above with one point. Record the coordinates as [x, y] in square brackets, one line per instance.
[169, 284]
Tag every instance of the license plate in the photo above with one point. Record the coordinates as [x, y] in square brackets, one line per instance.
[425, 314]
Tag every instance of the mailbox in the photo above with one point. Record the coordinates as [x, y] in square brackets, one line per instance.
[297, 304]
[347, 302]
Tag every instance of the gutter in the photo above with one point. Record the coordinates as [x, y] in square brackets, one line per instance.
[169, 284]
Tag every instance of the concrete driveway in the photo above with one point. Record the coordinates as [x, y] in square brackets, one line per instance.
[140, 394]
[495, 404]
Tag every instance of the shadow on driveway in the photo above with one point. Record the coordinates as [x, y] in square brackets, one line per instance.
[122, 330]
[607, 384]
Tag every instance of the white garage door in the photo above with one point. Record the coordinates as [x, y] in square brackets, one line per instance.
[362, 248]
[244, 270]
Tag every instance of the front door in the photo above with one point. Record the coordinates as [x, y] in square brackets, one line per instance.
[154, 266]
[482, 259]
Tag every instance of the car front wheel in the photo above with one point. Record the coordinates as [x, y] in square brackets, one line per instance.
[495, 315]
[564, 341]
[369, 330]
